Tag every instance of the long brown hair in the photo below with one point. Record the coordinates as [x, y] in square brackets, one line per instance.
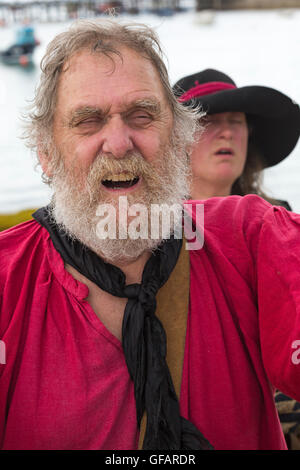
[250, 181]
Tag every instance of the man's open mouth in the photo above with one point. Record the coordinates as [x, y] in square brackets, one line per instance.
[120, 181]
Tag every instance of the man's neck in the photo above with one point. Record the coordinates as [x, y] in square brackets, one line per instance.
[133, 270]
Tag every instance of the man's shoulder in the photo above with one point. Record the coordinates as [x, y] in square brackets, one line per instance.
[229, 225]
[231, 205]
[22, 233]
[220, 214]
[18, 242]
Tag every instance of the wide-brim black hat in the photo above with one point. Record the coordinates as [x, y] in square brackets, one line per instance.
[274, 117]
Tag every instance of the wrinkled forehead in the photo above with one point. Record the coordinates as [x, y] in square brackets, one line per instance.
[127, 73]
[127, 64]
[111, 60]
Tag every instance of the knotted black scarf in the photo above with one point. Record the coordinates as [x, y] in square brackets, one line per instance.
[143, 336]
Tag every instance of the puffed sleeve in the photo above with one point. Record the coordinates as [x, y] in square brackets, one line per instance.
[278, 292]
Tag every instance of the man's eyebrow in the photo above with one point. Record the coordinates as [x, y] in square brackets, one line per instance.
[150, 104]
[83, 112]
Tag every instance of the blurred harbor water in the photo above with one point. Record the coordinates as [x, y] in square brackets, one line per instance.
[253, 47]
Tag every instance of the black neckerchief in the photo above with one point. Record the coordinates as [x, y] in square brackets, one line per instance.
[143, 336]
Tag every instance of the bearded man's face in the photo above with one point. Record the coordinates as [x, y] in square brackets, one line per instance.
[113, 136]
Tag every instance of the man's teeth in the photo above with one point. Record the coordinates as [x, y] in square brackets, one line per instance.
[120, 177]
[120, 181]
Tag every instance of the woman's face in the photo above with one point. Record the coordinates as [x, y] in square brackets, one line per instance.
[219, 157]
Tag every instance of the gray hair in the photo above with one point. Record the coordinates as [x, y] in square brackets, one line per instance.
[104, 36]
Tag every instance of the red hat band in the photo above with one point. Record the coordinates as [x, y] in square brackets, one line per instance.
[205, 89]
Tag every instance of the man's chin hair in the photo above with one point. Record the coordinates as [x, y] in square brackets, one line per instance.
[83, 229]
[120, 251]
[74, 210]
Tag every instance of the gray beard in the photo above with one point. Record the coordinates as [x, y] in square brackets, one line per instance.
[74, 209]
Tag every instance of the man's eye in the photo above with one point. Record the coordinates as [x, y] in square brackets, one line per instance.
[140, 118]
[88, 126]
[90, 121]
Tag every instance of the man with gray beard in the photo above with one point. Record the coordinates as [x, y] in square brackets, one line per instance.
[83, 317]
[75, 211]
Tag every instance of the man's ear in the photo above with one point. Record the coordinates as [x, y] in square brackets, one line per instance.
[44, 161]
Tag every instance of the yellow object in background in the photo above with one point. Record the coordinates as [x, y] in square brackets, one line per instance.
[9, 220]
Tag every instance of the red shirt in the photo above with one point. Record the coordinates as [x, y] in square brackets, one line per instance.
[65, 383]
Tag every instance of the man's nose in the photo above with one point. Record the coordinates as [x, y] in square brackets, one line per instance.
[116, 137]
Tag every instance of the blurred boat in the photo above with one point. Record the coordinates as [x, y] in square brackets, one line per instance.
[15, 55]
[21, 52]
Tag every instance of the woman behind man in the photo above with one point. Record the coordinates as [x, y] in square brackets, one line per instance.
[246, 130]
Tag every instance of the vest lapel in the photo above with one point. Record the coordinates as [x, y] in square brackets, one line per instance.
[172, 310]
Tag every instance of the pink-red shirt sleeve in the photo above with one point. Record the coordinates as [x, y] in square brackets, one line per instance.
[278, 287]
[263, 242]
